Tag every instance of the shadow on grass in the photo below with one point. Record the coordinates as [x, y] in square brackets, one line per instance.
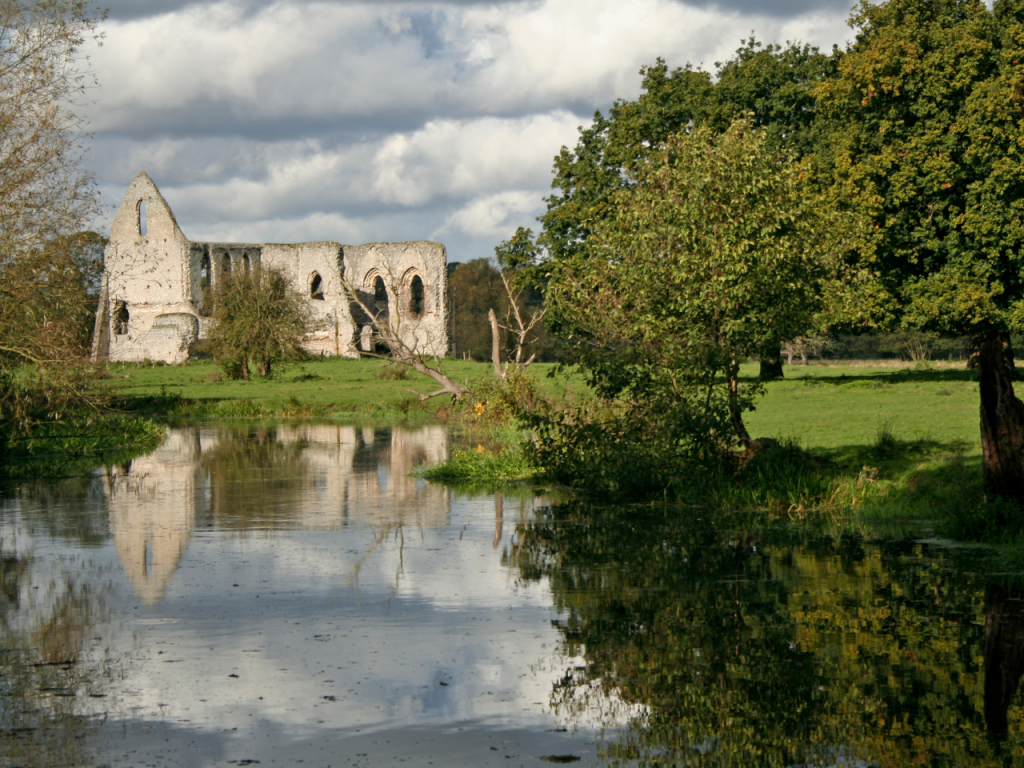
[893, 481]
[895, 376]
[175, 410]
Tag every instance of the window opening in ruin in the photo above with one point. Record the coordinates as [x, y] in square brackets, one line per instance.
[380, 294]
[226, 265]
[204, 285]
[416, 300]
[143, 220]
[245, 263]
[121, 321]
[316, 288]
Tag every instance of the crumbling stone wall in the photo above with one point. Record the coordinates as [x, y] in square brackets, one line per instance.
[159, 287]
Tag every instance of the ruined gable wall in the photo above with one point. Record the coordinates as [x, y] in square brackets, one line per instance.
[146, 270]
[397, 264]
[164, 285]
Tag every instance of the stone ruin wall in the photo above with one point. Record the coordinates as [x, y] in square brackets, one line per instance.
[158, 286]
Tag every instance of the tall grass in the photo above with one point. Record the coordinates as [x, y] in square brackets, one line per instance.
[511, 463]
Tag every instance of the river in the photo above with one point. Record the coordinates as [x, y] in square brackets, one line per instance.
[291, 595]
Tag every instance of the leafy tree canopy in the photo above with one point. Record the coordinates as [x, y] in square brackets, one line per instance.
[928, 125]
[772, 85]
[717, 246]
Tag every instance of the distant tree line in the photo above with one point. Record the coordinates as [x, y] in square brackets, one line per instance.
[474, 289]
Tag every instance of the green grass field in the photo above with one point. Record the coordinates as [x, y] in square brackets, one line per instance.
[825, 408]
[837, 407]
[331, 388]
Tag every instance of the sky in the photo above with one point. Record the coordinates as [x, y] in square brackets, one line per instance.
[358, 122]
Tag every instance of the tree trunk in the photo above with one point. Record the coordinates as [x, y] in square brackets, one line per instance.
[265, 366]
[735, 414]
[245, 369]
[771, 363]
[1002, 416]
[495, 344]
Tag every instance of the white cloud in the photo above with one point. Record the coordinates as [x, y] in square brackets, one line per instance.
[449, 157]
[496, 216]
[387, 119]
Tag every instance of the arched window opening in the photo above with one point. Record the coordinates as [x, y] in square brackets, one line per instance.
[316, 287]
[226, 265]
[121, 320]
[204, 284]
[380, 294]
[416, 298]
[142, 223]
[246, 266]
[204, 273]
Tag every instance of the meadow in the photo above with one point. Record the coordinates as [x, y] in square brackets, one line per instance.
[826, 408]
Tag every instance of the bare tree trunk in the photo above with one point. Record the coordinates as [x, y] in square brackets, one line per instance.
[735, 414]
[1002, 416]
[265, 366]
[401, 350]
[245, 370]
[495, 344]
[770, 359]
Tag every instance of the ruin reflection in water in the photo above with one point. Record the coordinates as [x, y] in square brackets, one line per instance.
[311, 477]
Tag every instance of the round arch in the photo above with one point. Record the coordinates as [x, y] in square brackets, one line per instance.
[316, 287]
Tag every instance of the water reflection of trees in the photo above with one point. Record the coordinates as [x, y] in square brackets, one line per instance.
[735, 651]
[48, 679]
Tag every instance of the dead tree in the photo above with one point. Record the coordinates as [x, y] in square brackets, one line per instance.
[402, 348]
[516, 325]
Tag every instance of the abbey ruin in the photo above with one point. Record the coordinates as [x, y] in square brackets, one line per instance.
[159, 287]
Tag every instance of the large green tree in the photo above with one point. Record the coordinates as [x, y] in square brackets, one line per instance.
[927, 117]
[719, 246]
[46, 196]
[770, 85]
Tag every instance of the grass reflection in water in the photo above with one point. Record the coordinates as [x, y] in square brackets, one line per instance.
[761, 650]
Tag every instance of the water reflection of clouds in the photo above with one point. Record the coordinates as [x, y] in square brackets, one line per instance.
[317, 585]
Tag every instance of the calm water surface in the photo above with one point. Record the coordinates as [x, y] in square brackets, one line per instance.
[290, 596]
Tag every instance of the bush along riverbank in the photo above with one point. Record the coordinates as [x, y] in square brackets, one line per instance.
[852, 460]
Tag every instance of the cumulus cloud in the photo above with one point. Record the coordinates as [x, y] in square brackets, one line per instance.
[495, 216]
[386, 120]
[465, 157]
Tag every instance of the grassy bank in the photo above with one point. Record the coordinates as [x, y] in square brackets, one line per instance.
[825, 408]
[898, 441]
[865, 442]
[332, 389]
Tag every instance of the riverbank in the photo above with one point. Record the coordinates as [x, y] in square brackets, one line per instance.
[874, 444]
[827, 408]
[884, 441]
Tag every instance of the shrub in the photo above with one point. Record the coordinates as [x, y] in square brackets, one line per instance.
[259, 317]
